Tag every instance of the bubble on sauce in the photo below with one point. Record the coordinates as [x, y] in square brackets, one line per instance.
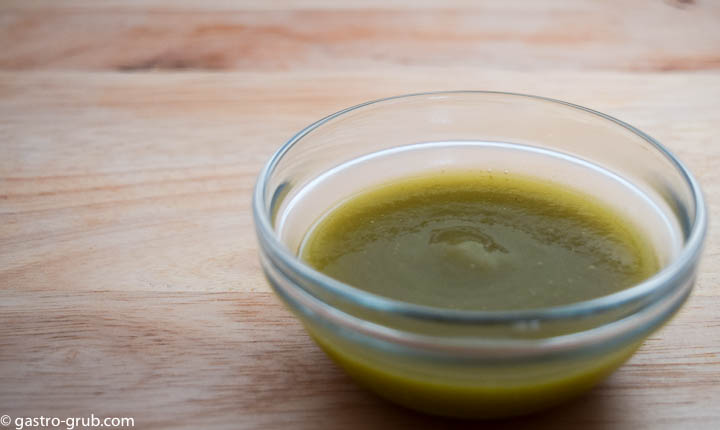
[470, 246]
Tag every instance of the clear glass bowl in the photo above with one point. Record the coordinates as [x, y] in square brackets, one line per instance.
[481, 364]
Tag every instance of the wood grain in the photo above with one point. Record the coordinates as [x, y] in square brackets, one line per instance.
[130, 136]
[130, 283]
[640, 35]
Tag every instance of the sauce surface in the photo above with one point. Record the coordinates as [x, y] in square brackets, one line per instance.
[479, 240]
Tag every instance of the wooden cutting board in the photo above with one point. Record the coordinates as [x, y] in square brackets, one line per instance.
[130, 137]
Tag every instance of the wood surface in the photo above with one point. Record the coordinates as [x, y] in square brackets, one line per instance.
[130, 137]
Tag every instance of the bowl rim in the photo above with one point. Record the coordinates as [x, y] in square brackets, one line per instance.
[661, 282]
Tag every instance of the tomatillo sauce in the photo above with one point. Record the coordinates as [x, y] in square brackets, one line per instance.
[478, 240]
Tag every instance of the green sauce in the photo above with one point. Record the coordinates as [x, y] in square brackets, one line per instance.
[536, 387]
[481, 241]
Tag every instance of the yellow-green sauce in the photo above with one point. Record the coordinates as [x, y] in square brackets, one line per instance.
[480, 241]
[484, 392]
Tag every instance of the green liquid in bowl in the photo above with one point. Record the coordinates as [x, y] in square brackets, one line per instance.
[472, 293]
[486, 391]
[479, 241]
[475, 240]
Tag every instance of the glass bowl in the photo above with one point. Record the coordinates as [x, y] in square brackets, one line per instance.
[466, 363]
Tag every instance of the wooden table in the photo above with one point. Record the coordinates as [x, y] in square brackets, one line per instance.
[131, 133]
